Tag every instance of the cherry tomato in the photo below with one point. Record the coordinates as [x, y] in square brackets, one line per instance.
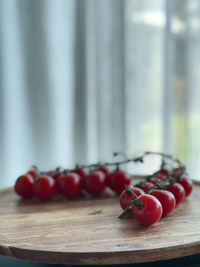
[33, 172]
[178, 191]
[44, 187]
[187, 185]
[177, 171]
[164, 171]
[83, 173]
[24, 186]
[154, 180]
[161, 176]
[95, 183]
[70, 185]
[56, 176]
[118, 180]
[146, 185]
[125, 198]
[150, 210]
[166, 199]
[105, 170]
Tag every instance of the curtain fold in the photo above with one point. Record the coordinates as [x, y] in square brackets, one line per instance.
[80, 79]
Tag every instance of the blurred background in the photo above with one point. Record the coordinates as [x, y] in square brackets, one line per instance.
[80, 79]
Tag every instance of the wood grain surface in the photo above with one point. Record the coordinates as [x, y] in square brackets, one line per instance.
[88, 231]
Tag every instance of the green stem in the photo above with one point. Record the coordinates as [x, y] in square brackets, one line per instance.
[125, 212]
[127, 160]
[115, 154]
[35, 167]
[163, 155]
[129, 191]
[160, 184]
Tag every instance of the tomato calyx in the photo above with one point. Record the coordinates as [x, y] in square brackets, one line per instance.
[34, 172]
[137, 202]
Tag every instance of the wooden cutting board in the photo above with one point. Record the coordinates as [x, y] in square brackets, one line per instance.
[88, 231]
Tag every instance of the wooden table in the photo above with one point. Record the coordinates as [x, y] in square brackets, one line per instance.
[88, 231]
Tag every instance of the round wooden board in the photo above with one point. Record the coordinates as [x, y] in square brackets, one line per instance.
[88, 231]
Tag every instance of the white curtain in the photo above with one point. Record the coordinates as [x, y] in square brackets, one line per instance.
[80, 79]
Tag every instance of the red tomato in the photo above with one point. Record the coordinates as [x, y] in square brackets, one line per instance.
[125, 198]
[161, 176]
[83, 173]
[33, 172]
[44, 187]
[150, 210]
[118, 180]
[56, 176]
[178, 191]
[166, 199]
[95, 183]
[24, 186]
[70, 185]
[187, 185]
[154, 180]
[146, 185]
[105, 170]
[164, 171]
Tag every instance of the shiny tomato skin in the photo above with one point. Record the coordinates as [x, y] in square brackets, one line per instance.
[82, 173]
[33, 172]
[178, 191]
[146, 185]
[95, 183]
[166, 199]
[105, 170]
[24, 186]
[150, 211]
[70, 185]
[44, 187]
[187, 185]
[125, 198]
[117, 180]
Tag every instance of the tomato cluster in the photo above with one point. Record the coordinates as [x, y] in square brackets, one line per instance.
[149, 201]
[70, 184]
